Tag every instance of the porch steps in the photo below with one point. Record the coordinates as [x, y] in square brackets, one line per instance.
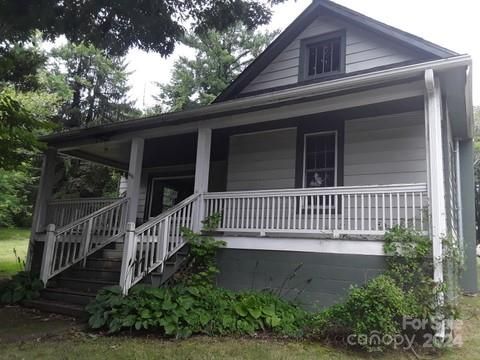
[70, 291]
[158, 278]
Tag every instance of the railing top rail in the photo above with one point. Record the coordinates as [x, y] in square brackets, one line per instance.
[163, 215]
[92, 215]
[82, 200]
[367, 189]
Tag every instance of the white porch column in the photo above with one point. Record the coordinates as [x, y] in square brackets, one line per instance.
[202, 170]
[45, 190]
[134, 177]
[436, 185]
[202, 166]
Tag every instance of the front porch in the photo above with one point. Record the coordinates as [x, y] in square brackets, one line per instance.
[327, 175]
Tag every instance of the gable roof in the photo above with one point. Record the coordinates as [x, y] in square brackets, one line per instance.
[425, 48]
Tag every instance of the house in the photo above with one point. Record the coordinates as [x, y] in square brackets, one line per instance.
[343, 128]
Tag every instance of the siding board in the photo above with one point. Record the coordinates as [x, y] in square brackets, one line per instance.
[264, 160]
[364, 50]
[375, 154]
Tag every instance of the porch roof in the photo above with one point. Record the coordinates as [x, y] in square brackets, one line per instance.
[450, 67]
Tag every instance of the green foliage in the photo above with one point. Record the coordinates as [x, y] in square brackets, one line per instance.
[405, 290]
[19, 65]
[219, 58]
[15, 204]
[18, 131]
[85, 179]
[22, 286]
[96, 85]
[182, 311]
[377, 307]
[201, 268]
[116, 26]
[410, 265]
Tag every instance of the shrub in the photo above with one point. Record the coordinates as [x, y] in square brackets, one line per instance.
[376, 308]
[181, 311]
[22, 286]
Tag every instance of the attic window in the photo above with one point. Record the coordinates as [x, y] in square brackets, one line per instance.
[323, 56]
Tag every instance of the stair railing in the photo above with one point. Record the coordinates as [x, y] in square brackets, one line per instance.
[151, 244]
[74, 242]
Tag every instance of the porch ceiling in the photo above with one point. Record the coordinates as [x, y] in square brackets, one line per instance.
[113, 154]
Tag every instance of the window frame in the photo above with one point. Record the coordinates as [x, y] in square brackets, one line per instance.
[304, 45]
[304, 179]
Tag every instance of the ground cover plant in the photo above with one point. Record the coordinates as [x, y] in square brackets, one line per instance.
[194, 305]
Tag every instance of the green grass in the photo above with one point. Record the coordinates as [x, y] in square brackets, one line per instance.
[12, 239]
[37, 337]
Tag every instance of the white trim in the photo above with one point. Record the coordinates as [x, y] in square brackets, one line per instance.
[394, 188]
[436, 185]
[264, 131]
[329, 246]
[305, 154]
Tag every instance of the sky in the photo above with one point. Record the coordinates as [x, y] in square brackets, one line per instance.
[454, 25]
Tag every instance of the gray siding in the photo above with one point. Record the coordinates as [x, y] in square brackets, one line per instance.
[264, 160]
[320, 279]
[364, 50]
[385, 150]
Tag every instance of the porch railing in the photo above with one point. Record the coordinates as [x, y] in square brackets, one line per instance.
[65, 211]
[150, 245]
[356, 210]
[74, 242]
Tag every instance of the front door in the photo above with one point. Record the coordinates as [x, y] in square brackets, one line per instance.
[167, 192]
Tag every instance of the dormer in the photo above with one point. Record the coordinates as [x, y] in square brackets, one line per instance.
[328, 41]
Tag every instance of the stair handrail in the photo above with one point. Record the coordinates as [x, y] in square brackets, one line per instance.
[148, 246]
[76, 241]
[91, 215]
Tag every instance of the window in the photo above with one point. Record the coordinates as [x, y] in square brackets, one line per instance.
[320, 160]
[323, 56]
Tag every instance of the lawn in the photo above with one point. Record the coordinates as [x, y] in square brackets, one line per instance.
[30, 335]
[12, 239]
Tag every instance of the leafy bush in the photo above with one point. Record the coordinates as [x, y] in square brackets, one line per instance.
[22, 286]
[410, 265]
[181, 311]
[376, 308]
[405, 290]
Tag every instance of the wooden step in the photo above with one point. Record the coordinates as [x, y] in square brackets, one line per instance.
[102, 263]
[67, 296]
[88, 273]
[111, 254]
[56, 307]
[83, 285]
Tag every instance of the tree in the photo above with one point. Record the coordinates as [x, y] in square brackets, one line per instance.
[116, 26]
[23, 116]
[219, 58]
[94, 86]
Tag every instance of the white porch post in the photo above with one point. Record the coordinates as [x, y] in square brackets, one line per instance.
[436, 185]
[134, 177]
[45, 189]
[202, 170]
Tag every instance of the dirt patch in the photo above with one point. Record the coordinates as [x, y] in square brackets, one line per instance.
[21, 324]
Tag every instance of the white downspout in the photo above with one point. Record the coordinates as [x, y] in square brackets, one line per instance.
[436, 185]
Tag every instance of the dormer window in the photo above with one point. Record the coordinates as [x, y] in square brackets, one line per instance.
[322, 56]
